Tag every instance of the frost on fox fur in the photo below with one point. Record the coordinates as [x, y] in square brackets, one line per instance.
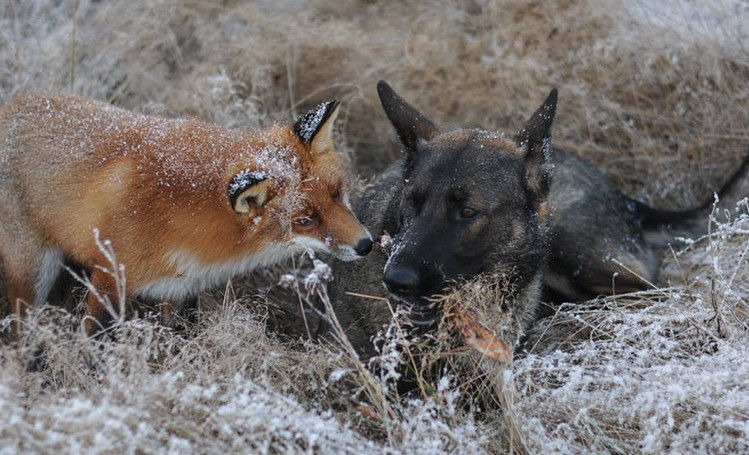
[309, 124]
[244, 179]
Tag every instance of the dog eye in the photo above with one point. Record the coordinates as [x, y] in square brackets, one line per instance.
[304, 221]
[468, 212]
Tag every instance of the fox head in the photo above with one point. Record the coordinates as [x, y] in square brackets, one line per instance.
[470, 201]
[295, 193]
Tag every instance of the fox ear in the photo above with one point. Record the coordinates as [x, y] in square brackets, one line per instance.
[249, 191]
[315, 127]
[409, 123]
[535, 139]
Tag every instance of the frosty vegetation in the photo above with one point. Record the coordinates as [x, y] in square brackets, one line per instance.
[654, 95]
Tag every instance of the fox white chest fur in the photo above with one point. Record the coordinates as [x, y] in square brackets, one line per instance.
[193, 276]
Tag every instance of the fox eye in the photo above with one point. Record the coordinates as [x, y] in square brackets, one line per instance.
[304, 221]
[337, 194]
[468, 213]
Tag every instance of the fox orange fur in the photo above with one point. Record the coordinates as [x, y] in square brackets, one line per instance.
[184, 203]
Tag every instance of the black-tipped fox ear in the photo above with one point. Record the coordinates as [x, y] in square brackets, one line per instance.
[409, 123]
[315, 127]
[249, 191]
[535, 139]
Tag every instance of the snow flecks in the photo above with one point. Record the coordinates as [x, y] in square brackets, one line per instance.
[250, 420]
[177, 155]
[591, 395]
[245, 179]
[386, 242]
[486, 135]
[546, 148]
[310, 122]
[241, 414]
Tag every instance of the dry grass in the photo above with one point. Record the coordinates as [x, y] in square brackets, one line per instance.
[655, 95]
[654, 371]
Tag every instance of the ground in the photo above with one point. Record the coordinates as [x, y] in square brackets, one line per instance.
[655, 94]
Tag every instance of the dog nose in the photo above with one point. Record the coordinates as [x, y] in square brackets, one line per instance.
[363, 247]
[401, 280]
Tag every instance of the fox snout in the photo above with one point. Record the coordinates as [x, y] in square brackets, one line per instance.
[363, 246]
[358, 249]
[351, 239]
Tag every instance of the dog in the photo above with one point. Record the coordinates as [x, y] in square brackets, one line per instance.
[552, 219]
[461, 203]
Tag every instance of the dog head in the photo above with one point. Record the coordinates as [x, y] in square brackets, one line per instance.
[470, 202]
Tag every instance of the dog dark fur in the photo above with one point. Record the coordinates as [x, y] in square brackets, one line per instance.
[597, 240]
[604, 242]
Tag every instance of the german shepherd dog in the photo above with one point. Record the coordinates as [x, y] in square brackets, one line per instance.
[467, 202]
[462, 203]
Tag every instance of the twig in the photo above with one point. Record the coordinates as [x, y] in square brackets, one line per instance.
[367, 296]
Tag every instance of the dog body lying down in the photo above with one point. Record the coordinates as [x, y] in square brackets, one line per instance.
[596, 239]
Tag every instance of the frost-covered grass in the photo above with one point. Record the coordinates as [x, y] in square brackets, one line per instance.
[659, 371]
[654, 93]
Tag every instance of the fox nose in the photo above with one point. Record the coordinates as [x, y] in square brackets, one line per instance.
[363, 247]
[401, 280]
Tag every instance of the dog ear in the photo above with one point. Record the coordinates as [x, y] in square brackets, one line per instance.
[249, 191]
[535, 139]
[409, 123]
[315, 127]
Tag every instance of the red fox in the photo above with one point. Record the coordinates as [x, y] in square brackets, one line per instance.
[184, 203]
